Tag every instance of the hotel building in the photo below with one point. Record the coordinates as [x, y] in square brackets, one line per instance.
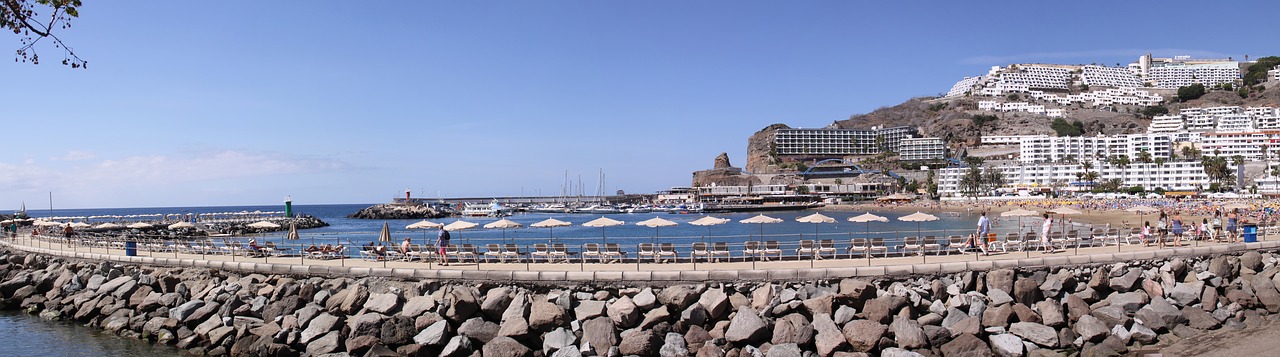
[1171, 176]
[842, 142]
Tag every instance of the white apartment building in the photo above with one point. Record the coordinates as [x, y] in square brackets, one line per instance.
[1166, 124]
[1235, 123]
[1044, 148]
[1172, 176]
[1246, 144]
[1002, 139]
[1093, 75]
[837, 142]
[1273, 75]
[963, 86]
[1039, 77]
[915, 149]
[1179, 74]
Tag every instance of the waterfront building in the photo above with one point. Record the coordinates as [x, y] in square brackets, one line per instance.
[1094, 75]
[1045, 148]
[839, 142]
[1246, 144]
[1171, 176]
[1166, 124]
[1180, 74]
[918, 149]
[1039, 77]
[963, 86]
[1274, 74]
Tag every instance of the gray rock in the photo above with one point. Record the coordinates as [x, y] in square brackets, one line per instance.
[1130, 302]
[1111, 315]
[368, 324]
[624, 313]
[1127, 281]
[1006, 345]
[716, 302]
[382, 303]
[829, 338]
[641, 343]
[458, 346]
[844, 314]
[1141, 333]
[599, 334]
[898, 352]
[694, 315]
[570, 351]
[937, 335]
[908, 334]
[545, 316]
[793, 328]
[1199, 319]
[863, 335]
[1266, 292]
[785, 350]
[479, 329]
[503, 346]
[645, 299]
[318, 326]
[1035, 333]
[1051, 313]
[182, 312]
[1001, 279]
[673, 345]
[881, 309]
[558, 339]
[746, 327]
[1091, 329]
[1251, 260]
[462, 304]
[762, 296]
[997, 316]
[418, 305]
[1185, 294]
[1159, 315]
[678, 297]
[998, 297]
[1076, 307]
[588, 309]
[966, 345]
[1120, 333]
[325, 344]
[434, 335]
[654, 317]
[495, 302]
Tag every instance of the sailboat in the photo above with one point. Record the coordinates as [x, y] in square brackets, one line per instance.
[21, 213]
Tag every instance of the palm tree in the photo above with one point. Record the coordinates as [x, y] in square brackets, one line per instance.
[1159, 168]
[1189, 152]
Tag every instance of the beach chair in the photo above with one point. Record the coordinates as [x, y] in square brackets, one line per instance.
[559, 252]
[771, 247]
[858, 245]
[752, 249]
[468, 252]
[931, 244]
[492, 250]
[369, 255]
[878, 244]
[910, 244]
[414, 253]
[340, 252]
[698, 249]
[511, 251]
[827, 247]
[452, 250]
[540, 250]
[613, 252]
[955, 242]
[1072, 239]
[645, 250]
[718, 249]
[1135, 236]
[1058, 239]
[806, 249]
[592, 250]
[427, 252]
[667, 251]
[1030, 240]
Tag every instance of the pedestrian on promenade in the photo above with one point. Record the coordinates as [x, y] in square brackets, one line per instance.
[1045, 229]
[442, 241]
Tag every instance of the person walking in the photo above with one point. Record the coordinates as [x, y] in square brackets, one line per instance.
[1177, 229]
[442, 241]
[980, 240]
[1233, 220]
[1044, 233]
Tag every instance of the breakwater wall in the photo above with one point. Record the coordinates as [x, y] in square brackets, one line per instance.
[1095, 309]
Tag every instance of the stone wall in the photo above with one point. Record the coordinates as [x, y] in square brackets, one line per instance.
[1094, 309]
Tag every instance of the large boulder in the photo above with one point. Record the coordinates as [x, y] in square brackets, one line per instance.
[641, 343]
[600, 334]
[1000, 279]
[545, 316]
[829, 338]
[863, 335]
[716, 302]
[747, 327]
[624, 312]
[502, 346]
[908, 334]
[1042, 335]
[966, 345]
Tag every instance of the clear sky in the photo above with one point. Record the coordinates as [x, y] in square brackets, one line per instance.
[244, 102]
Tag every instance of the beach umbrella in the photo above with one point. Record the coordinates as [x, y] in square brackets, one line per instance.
[867, 218]
[44, 223]
[108, 225]
[385, 236]
[918, 217]
[139, 225]
[293, 232]
[816, 219]
[424, 225]
[603, 222]
[80, 225]
[551, 224]
[503, 224]
[708, 221]
[460, 225]
[761, 219]
[1019, 213]
[181, 225]
[654, 223]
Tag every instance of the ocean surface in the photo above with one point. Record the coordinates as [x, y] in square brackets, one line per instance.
[33, 336]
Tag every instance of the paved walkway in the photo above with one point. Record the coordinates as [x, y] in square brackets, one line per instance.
[552, 273]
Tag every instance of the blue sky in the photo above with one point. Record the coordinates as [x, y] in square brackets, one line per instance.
[245, 102]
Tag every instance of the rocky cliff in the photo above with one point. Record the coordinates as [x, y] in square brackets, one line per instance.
[723, 174]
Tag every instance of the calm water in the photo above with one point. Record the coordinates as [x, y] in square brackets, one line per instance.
[26, 335]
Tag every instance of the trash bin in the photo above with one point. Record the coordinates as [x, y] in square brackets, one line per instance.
[131, 249]
[1250, 233]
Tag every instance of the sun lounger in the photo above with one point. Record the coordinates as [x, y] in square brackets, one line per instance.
[592, 250]
[512, 252]
[772, 247]
[667, 251]
[492, 251]
[910, 244]
[699, 249]
[858, 245]
[879, 244]
[752, 249]
[806, 249]
[559, 252]
[468, 252]
[540, 250]
[930, 244]
[827, 247]
[613, 252]
[718, 249]
[645, 250]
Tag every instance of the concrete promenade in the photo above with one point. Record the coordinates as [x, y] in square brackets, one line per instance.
[642, 273]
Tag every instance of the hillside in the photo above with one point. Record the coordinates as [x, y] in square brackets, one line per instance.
[951, 119]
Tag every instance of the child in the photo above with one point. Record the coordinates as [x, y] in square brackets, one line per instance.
[1146, 232]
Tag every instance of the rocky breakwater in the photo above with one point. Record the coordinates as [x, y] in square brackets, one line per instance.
[1091, 310]
[397, 211]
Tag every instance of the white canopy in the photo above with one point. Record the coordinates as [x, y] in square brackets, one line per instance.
[867, 217]
[1064, 210]
[1142, 209]
[181, 225]
[263, 224]
[918, 217]
[80, 225]
[139, 225]
[603, 222]
[656, 222]
[816, 218]
[1019, 213]
[503, 224]
[424, 225]
[459, 225]
[709, 221]
[44, 223]
[761, 219]
[108, 226]
[550, 223]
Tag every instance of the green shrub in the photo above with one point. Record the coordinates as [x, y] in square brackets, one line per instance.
[1191, 92]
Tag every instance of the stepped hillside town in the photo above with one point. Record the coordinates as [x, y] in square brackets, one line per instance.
[1176, 126]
